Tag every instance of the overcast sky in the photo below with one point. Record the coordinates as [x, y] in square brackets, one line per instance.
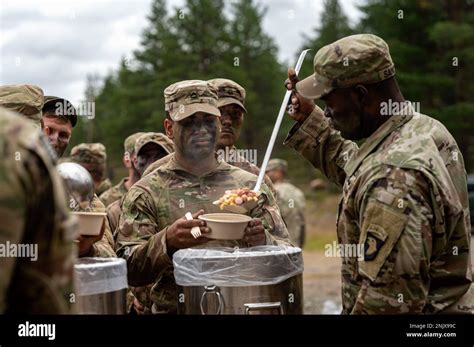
[56, 43]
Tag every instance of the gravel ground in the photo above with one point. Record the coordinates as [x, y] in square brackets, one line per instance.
[321, 283]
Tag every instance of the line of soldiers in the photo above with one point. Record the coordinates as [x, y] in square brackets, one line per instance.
[404, 189]
[180, 163]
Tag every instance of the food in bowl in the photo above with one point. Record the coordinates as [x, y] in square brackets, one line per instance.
[237, 197]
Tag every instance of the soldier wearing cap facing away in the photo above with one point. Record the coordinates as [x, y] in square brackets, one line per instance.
[118, 191]
[92, 157]
[404, 189]
[152, 225]
[291, 201]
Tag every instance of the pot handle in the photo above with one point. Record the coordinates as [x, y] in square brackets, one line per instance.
[249, 308]
[211, 290]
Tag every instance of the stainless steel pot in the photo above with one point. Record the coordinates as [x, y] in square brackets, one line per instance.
[258, 280]
[101, 285]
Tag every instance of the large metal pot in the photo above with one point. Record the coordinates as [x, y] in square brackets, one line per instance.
[101, 285]
[257, 280]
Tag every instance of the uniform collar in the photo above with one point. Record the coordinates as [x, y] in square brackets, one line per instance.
[172, 165]
[393, 123]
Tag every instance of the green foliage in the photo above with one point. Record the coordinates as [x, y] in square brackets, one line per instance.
[431, 43]
[197, 41]
[334, 26]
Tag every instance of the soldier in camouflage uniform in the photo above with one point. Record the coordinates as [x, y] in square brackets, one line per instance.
[59, 118]
[118, 191]
[92, 157]
[291, 201]
[231, 105]
[152, 226]
[404, 189]
[33, 212]
[149, 147]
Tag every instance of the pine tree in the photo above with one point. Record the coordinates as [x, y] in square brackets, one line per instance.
[334, 26]
[431, 43]
[256, 68]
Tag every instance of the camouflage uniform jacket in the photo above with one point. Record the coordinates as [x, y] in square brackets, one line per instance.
[164, 196]
[114, 193]
[113, 214]
[405, 200]
[292, 203]
[103, 187]
[33, 211]
[237, 160]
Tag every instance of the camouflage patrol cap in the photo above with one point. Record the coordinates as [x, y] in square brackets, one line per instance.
[129, 143]
[352, 60]
[61, 108]
[160, 139]
[26, 99]
[229, 92]
[185, 98]
[89, 153]
[277, 164]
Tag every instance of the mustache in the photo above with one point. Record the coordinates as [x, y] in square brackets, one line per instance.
[227, 130]
[202, 138]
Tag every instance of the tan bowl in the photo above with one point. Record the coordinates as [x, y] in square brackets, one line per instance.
[90, 223]
[225, 226]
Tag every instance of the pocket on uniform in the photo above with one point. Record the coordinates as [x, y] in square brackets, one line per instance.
[381, 229]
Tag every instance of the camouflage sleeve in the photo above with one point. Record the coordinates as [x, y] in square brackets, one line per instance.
[113, 215]
[140, 240]
[13, 209]
[33, 211]
[104, 247]
[269, 213]
[396, 234]
[105, 197]
[322, 146]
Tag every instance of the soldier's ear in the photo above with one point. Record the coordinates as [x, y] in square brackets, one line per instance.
[362, 93]
[168, 124]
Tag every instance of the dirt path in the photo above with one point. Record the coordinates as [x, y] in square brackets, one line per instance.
[322, 283]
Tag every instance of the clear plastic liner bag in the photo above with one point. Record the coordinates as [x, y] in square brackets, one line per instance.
[229, 267]
[100, 275]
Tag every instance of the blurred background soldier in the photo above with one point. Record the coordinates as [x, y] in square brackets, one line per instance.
[291, 201]
[117, 191]
[92, 157]
[59, 117]
[149, 148]
[32, 212]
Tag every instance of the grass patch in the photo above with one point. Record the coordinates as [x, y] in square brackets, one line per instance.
[319, 241]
